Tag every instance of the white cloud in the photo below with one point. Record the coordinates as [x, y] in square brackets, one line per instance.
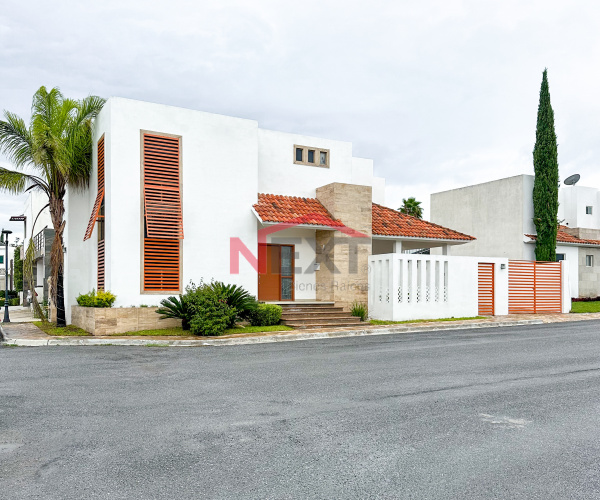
[440, 93]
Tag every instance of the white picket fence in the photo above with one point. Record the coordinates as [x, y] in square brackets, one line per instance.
[408, 286]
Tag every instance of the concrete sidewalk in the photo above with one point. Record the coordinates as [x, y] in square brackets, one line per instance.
[27, 334]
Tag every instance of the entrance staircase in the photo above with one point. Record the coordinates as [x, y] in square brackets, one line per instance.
[316, 315]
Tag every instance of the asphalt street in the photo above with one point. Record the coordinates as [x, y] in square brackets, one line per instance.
[495, 413]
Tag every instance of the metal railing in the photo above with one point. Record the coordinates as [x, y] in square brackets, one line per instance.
[39, 242]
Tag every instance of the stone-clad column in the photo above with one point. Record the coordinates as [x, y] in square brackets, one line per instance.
[344, 259]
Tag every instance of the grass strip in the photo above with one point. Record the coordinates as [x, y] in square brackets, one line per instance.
[179, 332]
[381, 322]
[585, 307]
[67, 331]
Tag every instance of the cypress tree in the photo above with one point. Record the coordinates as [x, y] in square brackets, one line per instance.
[545, 187]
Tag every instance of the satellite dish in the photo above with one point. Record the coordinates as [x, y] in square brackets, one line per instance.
[572, 179]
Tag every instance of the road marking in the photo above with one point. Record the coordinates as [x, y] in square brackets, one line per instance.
[505, 422]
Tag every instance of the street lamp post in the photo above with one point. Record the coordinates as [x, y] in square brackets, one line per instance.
[5, 233]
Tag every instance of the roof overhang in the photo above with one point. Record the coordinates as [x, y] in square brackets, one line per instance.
[414, 239]
[569, 244]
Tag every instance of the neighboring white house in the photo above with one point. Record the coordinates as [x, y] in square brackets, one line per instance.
[179, 195]
[499, 214]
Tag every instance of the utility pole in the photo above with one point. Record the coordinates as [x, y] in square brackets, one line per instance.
[5, 233]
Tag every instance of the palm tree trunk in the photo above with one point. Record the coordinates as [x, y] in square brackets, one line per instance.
[57, 212]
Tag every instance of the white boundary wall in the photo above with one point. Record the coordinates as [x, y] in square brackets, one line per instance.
[406, 286]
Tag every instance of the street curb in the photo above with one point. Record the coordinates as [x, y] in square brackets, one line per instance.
[267, 339]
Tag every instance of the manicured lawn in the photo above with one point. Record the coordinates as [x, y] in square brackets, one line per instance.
[380, 322]
[585, 307]
[178, 332]
[67, 331]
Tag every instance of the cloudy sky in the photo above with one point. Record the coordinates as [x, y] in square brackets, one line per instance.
[440, 93]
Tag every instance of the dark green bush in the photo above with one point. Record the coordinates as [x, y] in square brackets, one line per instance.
[96, 299]
[210, 313]
[266, 315]
[174, 307]
[12, 294]
[237, 297]
[13, 302]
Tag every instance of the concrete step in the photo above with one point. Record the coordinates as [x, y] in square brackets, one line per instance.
[311, 309]
[285, 305]
[348, 320]
[323, 324]
[293, 317]
[328, 317]
[313, 312]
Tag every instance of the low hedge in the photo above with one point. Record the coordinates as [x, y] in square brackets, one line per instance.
[266, 315]
[100, 298]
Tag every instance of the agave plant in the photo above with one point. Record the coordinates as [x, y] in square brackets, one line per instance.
[236, 297]
[175, 307]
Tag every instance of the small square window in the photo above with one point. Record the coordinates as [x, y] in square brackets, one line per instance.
[323, 158]
[588, 210]
[589, 261]
[311, 156]
[1, 259]
[560, 256]
[299, 154]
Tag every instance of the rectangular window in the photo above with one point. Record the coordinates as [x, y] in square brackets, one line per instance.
[1, 259]
[588, 210]
[313, 157]
[560, 256]
[323, 158]
[589, 261]
[163, 218]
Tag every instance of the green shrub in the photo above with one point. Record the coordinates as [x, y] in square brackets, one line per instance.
[360, 309]
[101, 298]
[174, 307]
[237, 297]
[13, 302]
[266, 315]
[12, 294]
[210, 313]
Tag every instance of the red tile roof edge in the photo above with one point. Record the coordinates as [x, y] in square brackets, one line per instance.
[446, 233]
[564, 237]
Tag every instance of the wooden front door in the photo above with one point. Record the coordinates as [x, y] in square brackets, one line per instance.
[276, 272]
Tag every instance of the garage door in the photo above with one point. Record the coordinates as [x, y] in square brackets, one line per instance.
[534, 287]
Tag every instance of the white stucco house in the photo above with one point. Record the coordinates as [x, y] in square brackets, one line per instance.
[499, 214]
[179, 195]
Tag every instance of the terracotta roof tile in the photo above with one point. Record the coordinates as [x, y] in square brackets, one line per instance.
[563, 237]
[390, 222]
[278, 208]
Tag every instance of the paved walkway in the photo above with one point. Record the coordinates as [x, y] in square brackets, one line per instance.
[19, 314]
[27, 334]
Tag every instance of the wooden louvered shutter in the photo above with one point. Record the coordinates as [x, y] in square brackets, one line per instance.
[100, 195]
[101, 265]
[162, 213]
[162, 193]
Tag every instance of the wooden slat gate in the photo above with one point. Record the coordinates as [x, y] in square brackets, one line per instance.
[534, 287]
[486, 289]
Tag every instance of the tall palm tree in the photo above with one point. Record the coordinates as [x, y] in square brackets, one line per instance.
[412, 207]
[50, 155]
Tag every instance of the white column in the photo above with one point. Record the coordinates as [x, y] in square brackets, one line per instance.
[444, 249]
[397, 246]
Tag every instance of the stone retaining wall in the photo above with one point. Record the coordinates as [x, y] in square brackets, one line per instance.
[107, 321]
